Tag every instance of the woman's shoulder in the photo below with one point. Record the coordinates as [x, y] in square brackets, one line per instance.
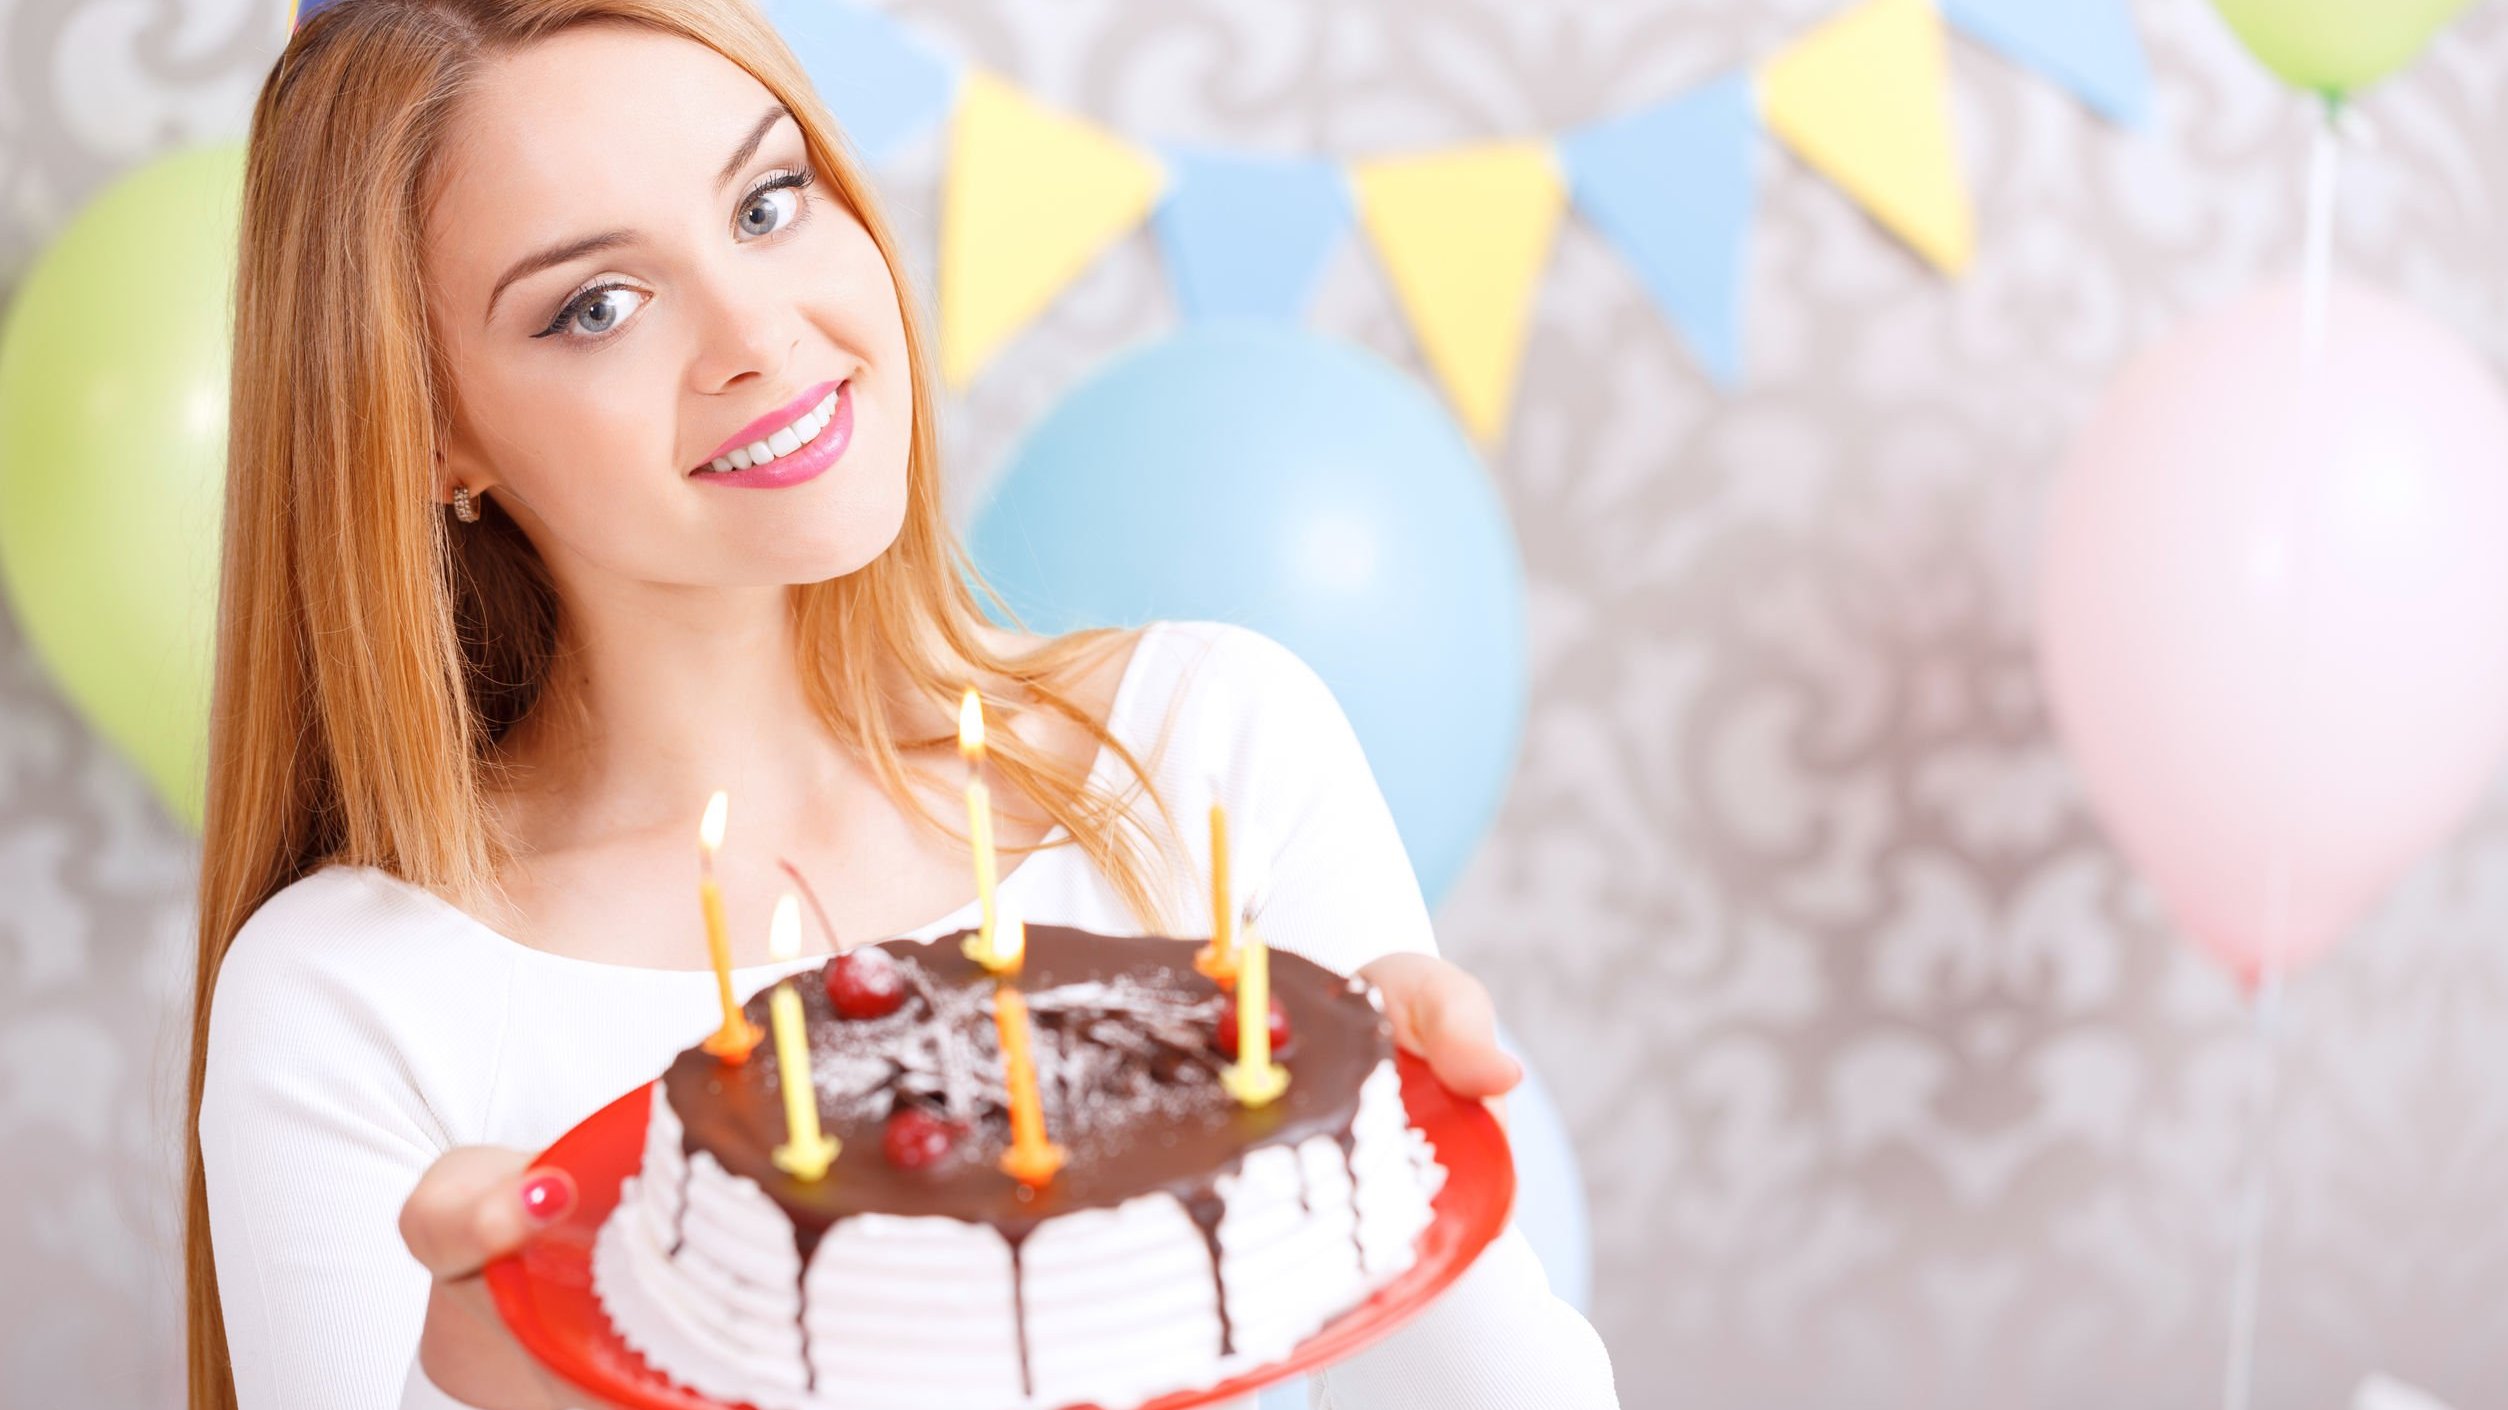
[348, 1009]
[336, 931]
[1239, 678]
[1206, 676]
[1226, 710]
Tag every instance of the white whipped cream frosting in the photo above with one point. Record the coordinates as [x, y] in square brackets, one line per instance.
[920, 1313]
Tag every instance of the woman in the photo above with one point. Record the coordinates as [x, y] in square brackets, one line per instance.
[582, 462]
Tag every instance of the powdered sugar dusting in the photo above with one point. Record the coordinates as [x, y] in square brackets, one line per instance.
[1110, 1054]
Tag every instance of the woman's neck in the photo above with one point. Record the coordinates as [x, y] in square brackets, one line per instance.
[659, 697]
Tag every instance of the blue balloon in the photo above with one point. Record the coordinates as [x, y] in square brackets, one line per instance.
[1251, 472]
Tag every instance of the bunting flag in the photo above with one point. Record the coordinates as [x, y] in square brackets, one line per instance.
[1465, 234]
[2089, 46]
[1862, 98]
[1031, 198]
[1671, 188]
[1245, 236]
[884, 85]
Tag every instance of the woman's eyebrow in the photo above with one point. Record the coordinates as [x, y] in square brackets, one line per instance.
[553, 256]
[749, 145]
[556, 255]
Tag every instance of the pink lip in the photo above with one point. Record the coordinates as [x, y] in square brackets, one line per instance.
[770, 423]
[803, 464]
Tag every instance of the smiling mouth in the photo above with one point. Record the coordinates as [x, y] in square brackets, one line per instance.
[786, 440]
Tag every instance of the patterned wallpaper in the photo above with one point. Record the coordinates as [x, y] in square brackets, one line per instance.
[1890, 1086]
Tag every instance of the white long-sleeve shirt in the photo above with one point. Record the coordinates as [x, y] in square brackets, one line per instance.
[363, 1026]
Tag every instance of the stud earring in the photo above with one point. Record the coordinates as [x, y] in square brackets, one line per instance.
[463, 507]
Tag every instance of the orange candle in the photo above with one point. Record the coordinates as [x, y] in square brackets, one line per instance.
[1031, 1159]
[1218, 959]
[1254, 1079]
[733, 1041]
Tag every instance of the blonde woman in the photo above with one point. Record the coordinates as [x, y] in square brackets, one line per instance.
[583, 461]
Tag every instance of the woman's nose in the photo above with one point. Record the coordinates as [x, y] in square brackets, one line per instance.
[743, 332]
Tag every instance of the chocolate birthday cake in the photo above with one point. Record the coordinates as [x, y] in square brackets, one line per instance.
[1187, 1237]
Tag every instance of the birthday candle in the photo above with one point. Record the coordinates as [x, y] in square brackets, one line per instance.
[1218, 959]
[979, 821]
[1006, 952]
[1254, 1079]
[1031, 1159]
[806, 1152]
[730, 1043]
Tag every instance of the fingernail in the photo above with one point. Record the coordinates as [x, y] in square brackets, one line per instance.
[547, 1196]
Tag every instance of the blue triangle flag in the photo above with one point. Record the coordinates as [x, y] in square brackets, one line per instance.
[885, 86]
[1670, 185]
[1246, 236]
[2089, 46]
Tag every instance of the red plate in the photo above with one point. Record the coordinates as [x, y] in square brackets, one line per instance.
[544, 1291]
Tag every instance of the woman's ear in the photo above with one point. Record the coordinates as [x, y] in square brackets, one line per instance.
[452, 471]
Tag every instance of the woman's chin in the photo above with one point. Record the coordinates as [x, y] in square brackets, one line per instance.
[801, 556]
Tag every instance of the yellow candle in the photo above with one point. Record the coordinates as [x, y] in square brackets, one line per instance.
[1008, 950]
[738, 1035]
[1031, 1160]
[1218, 959]
[979, 822]
[1254, 1079]
[806, 1152]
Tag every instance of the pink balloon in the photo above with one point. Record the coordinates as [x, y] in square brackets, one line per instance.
[2273, 613]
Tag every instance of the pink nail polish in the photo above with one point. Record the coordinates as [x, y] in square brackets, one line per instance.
[547, 1196]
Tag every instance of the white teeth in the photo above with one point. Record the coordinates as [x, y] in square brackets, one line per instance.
[798, 433]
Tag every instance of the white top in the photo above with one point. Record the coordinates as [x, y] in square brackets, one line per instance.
[362, 1026]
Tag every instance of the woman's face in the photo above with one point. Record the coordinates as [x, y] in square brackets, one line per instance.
[627, 279]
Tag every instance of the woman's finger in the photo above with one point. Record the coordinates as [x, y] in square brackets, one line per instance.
[1442, 1013]
[1458, 1032]
[477, 1203]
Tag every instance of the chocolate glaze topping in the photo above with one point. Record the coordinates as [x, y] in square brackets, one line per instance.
[1125, 1036]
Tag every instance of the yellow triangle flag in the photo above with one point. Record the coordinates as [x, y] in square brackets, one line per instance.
[1031, 198]
[1865, 99]
[1464, 235]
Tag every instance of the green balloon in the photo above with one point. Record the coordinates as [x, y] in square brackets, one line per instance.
[113, 414]
[2336, 47]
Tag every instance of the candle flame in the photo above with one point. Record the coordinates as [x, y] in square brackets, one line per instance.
[1010, 942]
[971, 725]
[710, 829]
[783, 933]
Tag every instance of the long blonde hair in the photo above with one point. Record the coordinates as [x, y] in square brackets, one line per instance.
[369, 656]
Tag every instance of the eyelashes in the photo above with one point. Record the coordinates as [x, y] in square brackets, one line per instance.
[584, 298]
[790, 180]
[576, 307]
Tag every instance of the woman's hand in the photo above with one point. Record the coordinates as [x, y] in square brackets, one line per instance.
[473, 1205]
[1442, 1013]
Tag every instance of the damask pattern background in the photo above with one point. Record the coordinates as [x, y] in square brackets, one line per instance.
[1891, 1086]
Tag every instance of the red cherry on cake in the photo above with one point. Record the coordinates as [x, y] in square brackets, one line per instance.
[1228, 1022]
[915, 1138]
[865, 983]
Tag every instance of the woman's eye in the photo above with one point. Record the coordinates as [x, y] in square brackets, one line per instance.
[597, 311]
[769, 210]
